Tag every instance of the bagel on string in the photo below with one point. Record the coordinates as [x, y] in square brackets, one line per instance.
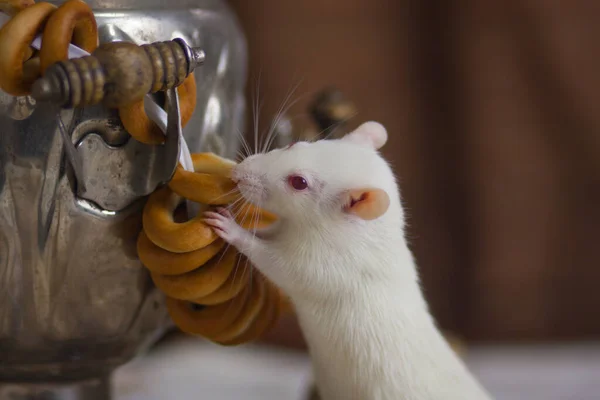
[207, 283]
[15, 39]
[163, 262]
[211, 289]
[143, 129]
[236, 282]
[201, 281]
[72, 22]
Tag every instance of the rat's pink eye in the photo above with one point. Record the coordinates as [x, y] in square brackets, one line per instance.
[297, 182]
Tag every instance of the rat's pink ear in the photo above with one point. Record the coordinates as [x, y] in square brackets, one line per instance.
[371, 134]
[366, 204]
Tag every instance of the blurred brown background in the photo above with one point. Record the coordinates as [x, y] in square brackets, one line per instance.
[492, 108]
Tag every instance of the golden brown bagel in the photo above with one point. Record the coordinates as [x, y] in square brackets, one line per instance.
[222, 300]
[285, 305]
[15, 37]
[262, 324]
[237, 281]
[187, 98]
[143, 129]
[163, 262]
[249, 216]
[211, 163]
[72, 22]
[206, 321]
[200, 282]
[252, 326]
[162, 230]
[250, 309]
[205, 185]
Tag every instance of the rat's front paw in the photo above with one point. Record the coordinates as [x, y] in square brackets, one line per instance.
[225, 226]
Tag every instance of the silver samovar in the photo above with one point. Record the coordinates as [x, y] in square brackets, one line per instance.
[75, 301]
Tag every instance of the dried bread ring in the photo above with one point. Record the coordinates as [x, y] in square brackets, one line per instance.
[163, 262]
[212, 174]
[202, 281]
[162, 230]
[187, 92]
[217, 300]
[252, 320]
[285, 304]
[206, 321]
[211, 163]
[15, 39]
[261, 324]
[217, 188]
[73, 22]
[250, 309]
[233, 286]
[137, 123]
[251, 217]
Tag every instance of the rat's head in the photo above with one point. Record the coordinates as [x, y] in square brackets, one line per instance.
[326, 179]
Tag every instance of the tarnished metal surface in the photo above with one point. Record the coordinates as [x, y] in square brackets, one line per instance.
[75, 301]
[115, 176]
[18, 108]
[219, 110]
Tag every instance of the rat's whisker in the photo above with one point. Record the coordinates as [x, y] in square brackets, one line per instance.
[256, 221]
[247, 211]
[275, 121]
[272, 134]
[232, 207]
[245, 150]
[283, 109]
[236, 215]
[256, 108]
[238, 205]
[232, 191]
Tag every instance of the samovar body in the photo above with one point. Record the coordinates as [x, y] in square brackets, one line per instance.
[75, 301]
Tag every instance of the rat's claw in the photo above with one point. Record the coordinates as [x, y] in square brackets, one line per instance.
[214, 215]
[216, 221]
[225, 227]
[225, 212]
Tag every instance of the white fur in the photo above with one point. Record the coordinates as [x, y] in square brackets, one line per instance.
[354, 283]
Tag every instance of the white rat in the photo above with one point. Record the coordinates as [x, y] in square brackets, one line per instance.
[338, 251]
